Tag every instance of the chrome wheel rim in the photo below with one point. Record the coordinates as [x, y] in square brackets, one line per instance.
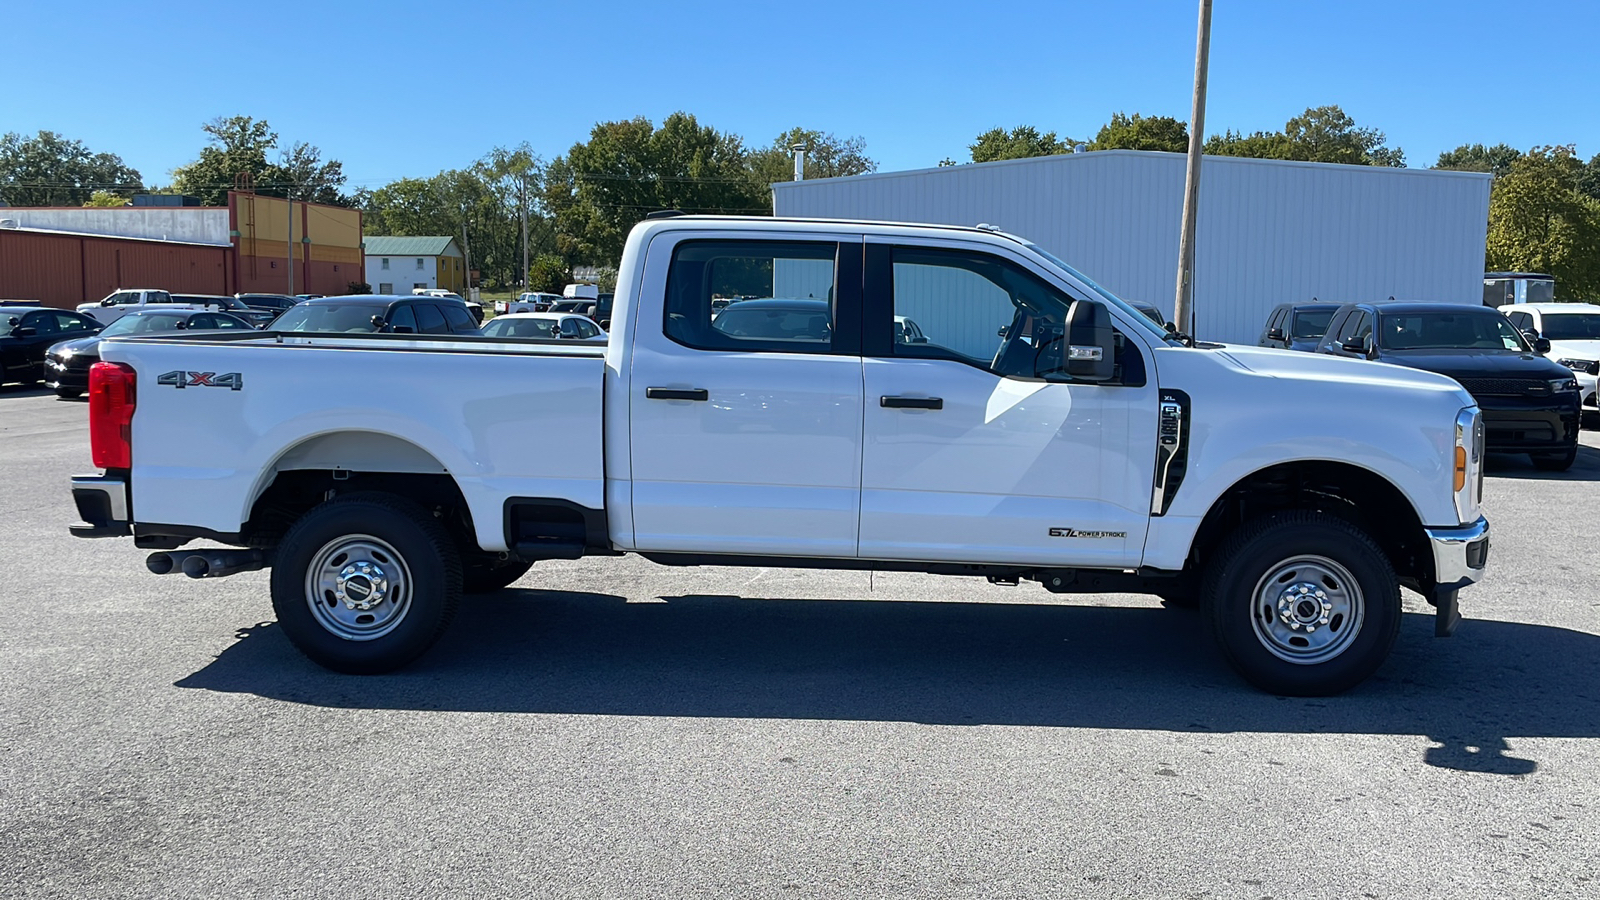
[358, 587]
[1307, 610]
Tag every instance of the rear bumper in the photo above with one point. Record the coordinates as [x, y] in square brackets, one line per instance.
[1460, 556]
[102, 502]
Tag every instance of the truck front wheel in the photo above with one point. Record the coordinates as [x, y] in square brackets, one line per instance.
[1302, 603]
[364, 584]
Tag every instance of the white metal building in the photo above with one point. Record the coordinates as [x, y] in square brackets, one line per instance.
[1269, 231]
[401, 264]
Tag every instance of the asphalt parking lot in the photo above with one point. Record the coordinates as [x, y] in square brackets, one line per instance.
[610, 728]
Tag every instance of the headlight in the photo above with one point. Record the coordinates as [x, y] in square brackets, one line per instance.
[1563, 385]
[1468, 464]
[65, 353]
[1587, 366]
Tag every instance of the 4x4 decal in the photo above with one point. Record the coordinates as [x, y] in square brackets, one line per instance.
[180, 380]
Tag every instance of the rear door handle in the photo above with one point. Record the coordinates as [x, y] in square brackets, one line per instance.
[661, 393]
[911, 402]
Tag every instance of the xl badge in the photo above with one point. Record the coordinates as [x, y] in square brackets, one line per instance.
[180, 380]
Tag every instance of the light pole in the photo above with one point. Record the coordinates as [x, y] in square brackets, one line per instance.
[1183, 308]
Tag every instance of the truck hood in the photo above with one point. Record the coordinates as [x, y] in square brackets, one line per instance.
[1324, 368]
[1574, 349]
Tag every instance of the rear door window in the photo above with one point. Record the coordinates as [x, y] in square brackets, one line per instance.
[460, 320]
[429, 319]
[791, 285]
[400, 318]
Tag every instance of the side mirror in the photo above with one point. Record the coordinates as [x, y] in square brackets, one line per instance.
[12, 322]
[1090, 353]
[377, 322]
[1353, 347]
[1541, 346]
[1275, 334]
[919, 339]
[108, 302]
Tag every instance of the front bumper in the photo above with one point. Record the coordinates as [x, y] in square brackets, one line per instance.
[1460, 556]
[58, 374]
[1522, 427]
[102, 502]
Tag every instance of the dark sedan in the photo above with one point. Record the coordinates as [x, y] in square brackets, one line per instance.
[28, 332]
[374, 313]
[273, 303]
[232, 305]
[1529, 403]
[67, 364]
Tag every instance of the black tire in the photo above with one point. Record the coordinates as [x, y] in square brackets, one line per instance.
[1554, 462]
[408, 554]
[482, 573]
[1246, 610]
[68, 393]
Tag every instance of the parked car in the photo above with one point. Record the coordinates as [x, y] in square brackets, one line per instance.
[371, 313]
[579, 306]
[1297, 326]
[67, 362]
[473, 306]
[28, 333]
[1529, 403]
[274, 303]
[1573, 330]
[257, 317]
[1084, 451]
[1150, 312]
[121, 302]
[543, 325]
[529, 301]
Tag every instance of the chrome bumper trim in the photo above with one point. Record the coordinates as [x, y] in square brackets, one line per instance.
[1460, 554]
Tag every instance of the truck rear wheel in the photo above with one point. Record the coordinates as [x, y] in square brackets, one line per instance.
[366, 583]
[1302, 603]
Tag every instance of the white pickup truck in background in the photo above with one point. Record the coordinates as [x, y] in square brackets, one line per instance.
[1035, 428]
[121, 302]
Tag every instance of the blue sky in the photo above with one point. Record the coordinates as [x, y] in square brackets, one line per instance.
[408, 89]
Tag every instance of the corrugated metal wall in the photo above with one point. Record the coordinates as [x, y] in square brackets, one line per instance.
[64, 270]
[1269, 231]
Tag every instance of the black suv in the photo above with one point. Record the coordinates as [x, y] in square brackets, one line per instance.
[1529, 403]
[1297, 326]
[369, 313]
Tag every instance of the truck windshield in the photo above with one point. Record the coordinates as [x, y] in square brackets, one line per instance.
[1570, 326]
[1448, 331]
[329, 318]
[1312, 324]
[1140, 319]
[145, 324]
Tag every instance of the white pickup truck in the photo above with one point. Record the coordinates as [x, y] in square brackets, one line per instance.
[121, 302]
[1034, 428]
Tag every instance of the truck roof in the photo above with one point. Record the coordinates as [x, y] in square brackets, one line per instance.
[785, 223]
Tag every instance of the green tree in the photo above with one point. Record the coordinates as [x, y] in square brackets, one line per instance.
[604, 185]
[1539, 221]
[50, 170]
[107, 199]
[1589, 181]
[548, 273]
[1321, 134]
[236, 151]
[1136, 132]
[1478, 158]
[827, 156]
[1019, 143]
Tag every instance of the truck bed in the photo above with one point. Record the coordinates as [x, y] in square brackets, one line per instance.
[505, 418]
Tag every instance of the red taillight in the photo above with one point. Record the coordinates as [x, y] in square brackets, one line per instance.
[111, 415]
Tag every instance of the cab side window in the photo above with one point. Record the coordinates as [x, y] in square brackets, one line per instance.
[429, 319]
[986, 312]
[1521, 320]
[779, 296]
[460, 320]
[402, 320]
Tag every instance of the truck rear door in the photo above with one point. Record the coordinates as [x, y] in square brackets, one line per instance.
[745, 420]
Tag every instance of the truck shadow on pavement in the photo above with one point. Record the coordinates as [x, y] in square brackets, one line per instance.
[523, 651]
[1516, 465]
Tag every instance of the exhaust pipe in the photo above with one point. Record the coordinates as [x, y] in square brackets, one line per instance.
[160, 563]
[218, 563]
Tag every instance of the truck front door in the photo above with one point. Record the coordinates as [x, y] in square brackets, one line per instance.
[974, 451]
[745, 418]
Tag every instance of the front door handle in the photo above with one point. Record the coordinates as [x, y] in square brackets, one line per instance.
[911, 402]
[661, 393]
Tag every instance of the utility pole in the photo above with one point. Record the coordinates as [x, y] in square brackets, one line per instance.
[466, 251]
[522, 194]
[1183, 309]
[290, 214]
[799, 161]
